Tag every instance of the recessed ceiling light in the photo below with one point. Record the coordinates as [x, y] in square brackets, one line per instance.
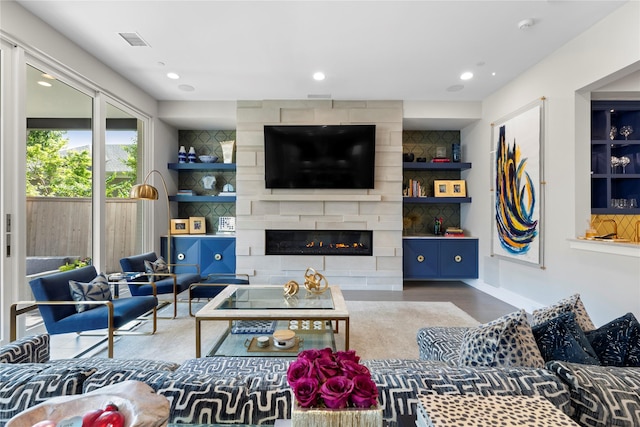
[318, 76]
[467, 75]
[173, 76]
[493, 74]
[526, 23]
[45, 84]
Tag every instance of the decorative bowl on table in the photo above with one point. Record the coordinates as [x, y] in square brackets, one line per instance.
[208, 159]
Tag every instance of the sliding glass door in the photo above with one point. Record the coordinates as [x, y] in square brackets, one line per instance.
[59, 174]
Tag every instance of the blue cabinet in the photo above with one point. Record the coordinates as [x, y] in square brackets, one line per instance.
[214, 254]
[440, 258]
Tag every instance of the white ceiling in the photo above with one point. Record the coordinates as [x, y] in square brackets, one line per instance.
[401, 50]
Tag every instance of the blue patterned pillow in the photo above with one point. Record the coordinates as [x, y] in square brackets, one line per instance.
[96, 290]
[506, 341]
[158, 266]
[563, 339]
[618, 342]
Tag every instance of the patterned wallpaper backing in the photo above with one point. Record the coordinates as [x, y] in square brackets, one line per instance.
[206, 143]
[418, 219]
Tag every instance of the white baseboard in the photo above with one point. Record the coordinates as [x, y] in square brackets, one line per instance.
[505, 295]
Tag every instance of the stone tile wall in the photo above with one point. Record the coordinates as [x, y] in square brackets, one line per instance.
[378, 209]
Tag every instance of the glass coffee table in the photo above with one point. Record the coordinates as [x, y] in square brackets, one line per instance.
[314, 318]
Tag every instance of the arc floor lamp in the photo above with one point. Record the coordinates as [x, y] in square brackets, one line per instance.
[146, 191]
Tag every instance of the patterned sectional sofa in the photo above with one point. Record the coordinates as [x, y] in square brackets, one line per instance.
[255, 391]
[245, 390]
[600, 396]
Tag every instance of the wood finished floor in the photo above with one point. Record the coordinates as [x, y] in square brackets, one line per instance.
[477, 304]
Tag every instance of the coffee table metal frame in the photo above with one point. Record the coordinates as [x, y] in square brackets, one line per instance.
[212, 312]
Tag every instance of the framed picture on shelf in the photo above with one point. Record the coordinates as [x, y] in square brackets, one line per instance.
[227, 224]
[441, 188]
[197, 225]
[458, 188]
[179, 226]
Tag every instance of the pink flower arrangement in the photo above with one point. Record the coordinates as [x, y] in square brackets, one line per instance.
[322, 378]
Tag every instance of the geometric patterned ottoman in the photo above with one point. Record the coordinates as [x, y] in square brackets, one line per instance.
[489, 411]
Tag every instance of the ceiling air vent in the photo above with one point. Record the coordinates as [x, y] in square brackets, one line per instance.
[133, 39]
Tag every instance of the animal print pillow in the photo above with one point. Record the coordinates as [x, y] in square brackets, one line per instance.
[571, 304]
[507, 341]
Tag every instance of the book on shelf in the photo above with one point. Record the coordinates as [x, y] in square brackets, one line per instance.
[454, 232]
[441, 160]
[185, 193]
[415, 189]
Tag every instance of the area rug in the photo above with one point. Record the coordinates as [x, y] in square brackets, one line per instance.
[378, 330]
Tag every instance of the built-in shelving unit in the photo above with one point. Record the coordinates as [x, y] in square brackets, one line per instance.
[435, 167]
[186, 167]
[611, 182]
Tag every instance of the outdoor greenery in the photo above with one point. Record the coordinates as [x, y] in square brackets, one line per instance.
[54, 171]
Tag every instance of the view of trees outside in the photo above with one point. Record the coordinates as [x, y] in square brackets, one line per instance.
[56, 170]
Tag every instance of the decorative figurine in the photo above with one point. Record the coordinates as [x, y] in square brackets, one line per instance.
[437, 226]
[182, 155]
[192, 155]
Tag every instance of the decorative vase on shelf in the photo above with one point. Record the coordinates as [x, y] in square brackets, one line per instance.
[192, 155]
[227, 150]
[182, 155]
[455, 152]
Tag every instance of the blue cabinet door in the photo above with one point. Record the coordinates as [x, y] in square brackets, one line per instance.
[185, 251]
[212, 254]
[420, 258]
[218, 255]
[459, 258]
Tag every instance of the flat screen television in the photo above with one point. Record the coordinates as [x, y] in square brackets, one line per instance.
[313, 157]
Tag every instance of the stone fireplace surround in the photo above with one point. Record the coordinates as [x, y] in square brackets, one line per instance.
[378, 210]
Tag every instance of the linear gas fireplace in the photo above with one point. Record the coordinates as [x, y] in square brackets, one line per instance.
[318, 242]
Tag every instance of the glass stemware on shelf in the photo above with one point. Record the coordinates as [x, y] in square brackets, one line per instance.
[615, 162]
[613, 132]
[626, 131]
[624, 161]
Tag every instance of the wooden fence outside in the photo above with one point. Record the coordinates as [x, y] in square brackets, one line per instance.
[58, 226]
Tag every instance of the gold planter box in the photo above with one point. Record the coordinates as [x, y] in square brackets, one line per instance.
[349, 417]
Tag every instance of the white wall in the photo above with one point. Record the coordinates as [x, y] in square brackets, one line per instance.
[609, 284]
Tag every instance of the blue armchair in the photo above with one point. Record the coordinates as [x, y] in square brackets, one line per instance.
[172, 283]
[59, 309]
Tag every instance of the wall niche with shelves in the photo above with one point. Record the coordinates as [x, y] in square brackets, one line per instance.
[419, 213]
[207, 203]
[615, 157]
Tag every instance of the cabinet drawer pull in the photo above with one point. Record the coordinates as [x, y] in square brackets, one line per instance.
[457, 258]
[181, 257]
[420, 258]
[217, 257]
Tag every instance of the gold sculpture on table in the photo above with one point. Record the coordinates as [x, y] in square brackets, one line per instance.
[315, 282]
[291, 288]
